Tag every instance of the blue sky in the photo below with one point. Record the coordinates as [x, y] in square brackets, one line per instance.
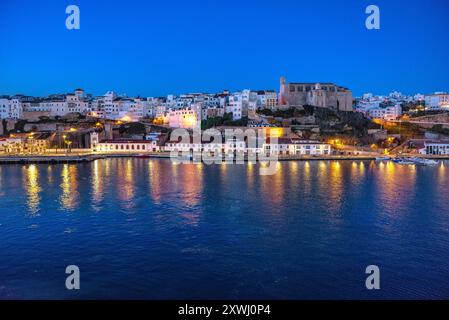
[153, 48]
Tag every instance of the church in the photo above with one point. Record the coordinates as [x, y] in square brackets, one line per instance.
[324, 95]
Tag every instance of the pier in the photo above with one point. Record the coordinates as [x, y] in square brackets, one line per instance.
[53, 159]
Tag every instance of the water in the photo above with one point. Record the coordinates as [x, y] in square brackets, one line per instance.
[140, 228]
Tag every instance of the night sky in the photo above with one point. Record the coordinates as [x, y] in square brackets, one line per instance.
[153, 48]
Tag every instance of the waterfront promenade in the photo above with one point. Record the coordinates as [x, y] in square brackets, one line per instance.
[79, 157]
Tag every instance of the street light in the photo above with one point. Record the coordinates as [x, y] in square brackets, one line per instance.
[68, 143]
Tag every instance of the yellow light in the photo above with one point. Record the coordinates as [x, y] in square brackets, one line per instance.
[276, 132]
[73, 130]
[126, 119]
[189, 121]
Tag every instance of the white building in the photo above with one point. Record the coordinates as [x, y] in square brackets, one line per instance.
[186, 118]
[437, 101]
[235, 106]
[230, 147]
[387, 113]
[76, 102]
[295, 147]
[10, 109]
[122, 146]
[435, 148]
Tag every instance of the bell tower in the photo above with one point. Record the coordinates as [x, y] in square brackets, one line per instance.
[281, 98]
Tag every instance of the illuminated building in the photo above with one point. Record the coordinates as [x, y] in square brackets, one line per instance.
[123, 146]
[295, 147]
[324, 95]
[185, 118]
[24, 144]
[435, 148]
[437, 101]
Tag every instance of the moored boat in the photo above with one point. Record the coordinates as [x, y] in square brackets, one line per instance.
[424, 161]
[383, 158]
[404, 161]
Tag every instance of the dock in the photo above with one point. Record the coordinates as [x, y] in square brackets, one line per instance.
[52, 159]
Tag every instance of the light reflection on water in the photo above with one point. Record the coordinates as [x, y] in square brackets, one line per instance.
[324, 178]
[69, 197]
[32, 187]
[226, 230]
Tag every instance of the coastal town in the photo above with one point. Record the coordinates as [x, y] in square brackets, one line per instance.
[297, 121]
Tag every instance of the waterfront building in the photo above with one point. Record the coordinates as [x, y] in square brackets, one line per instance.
[229, 147]
[435, 148]
[24, 144]
[123, 146]
[324, 95]
[296, 147]
[126, 146]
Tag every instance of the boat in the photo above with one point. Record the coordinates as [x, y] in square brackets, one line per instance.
[143, 156]
[383, 159]
[424, 161]
[404, 161]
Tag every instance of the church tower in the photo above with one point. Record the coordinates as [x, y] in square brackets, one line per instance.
[281, 99]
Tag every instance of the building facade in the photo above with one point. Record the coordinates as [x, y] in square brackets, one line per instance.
[296, 147]
[324, 95]
[122, 146]
[435, 148]
[437, 101]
